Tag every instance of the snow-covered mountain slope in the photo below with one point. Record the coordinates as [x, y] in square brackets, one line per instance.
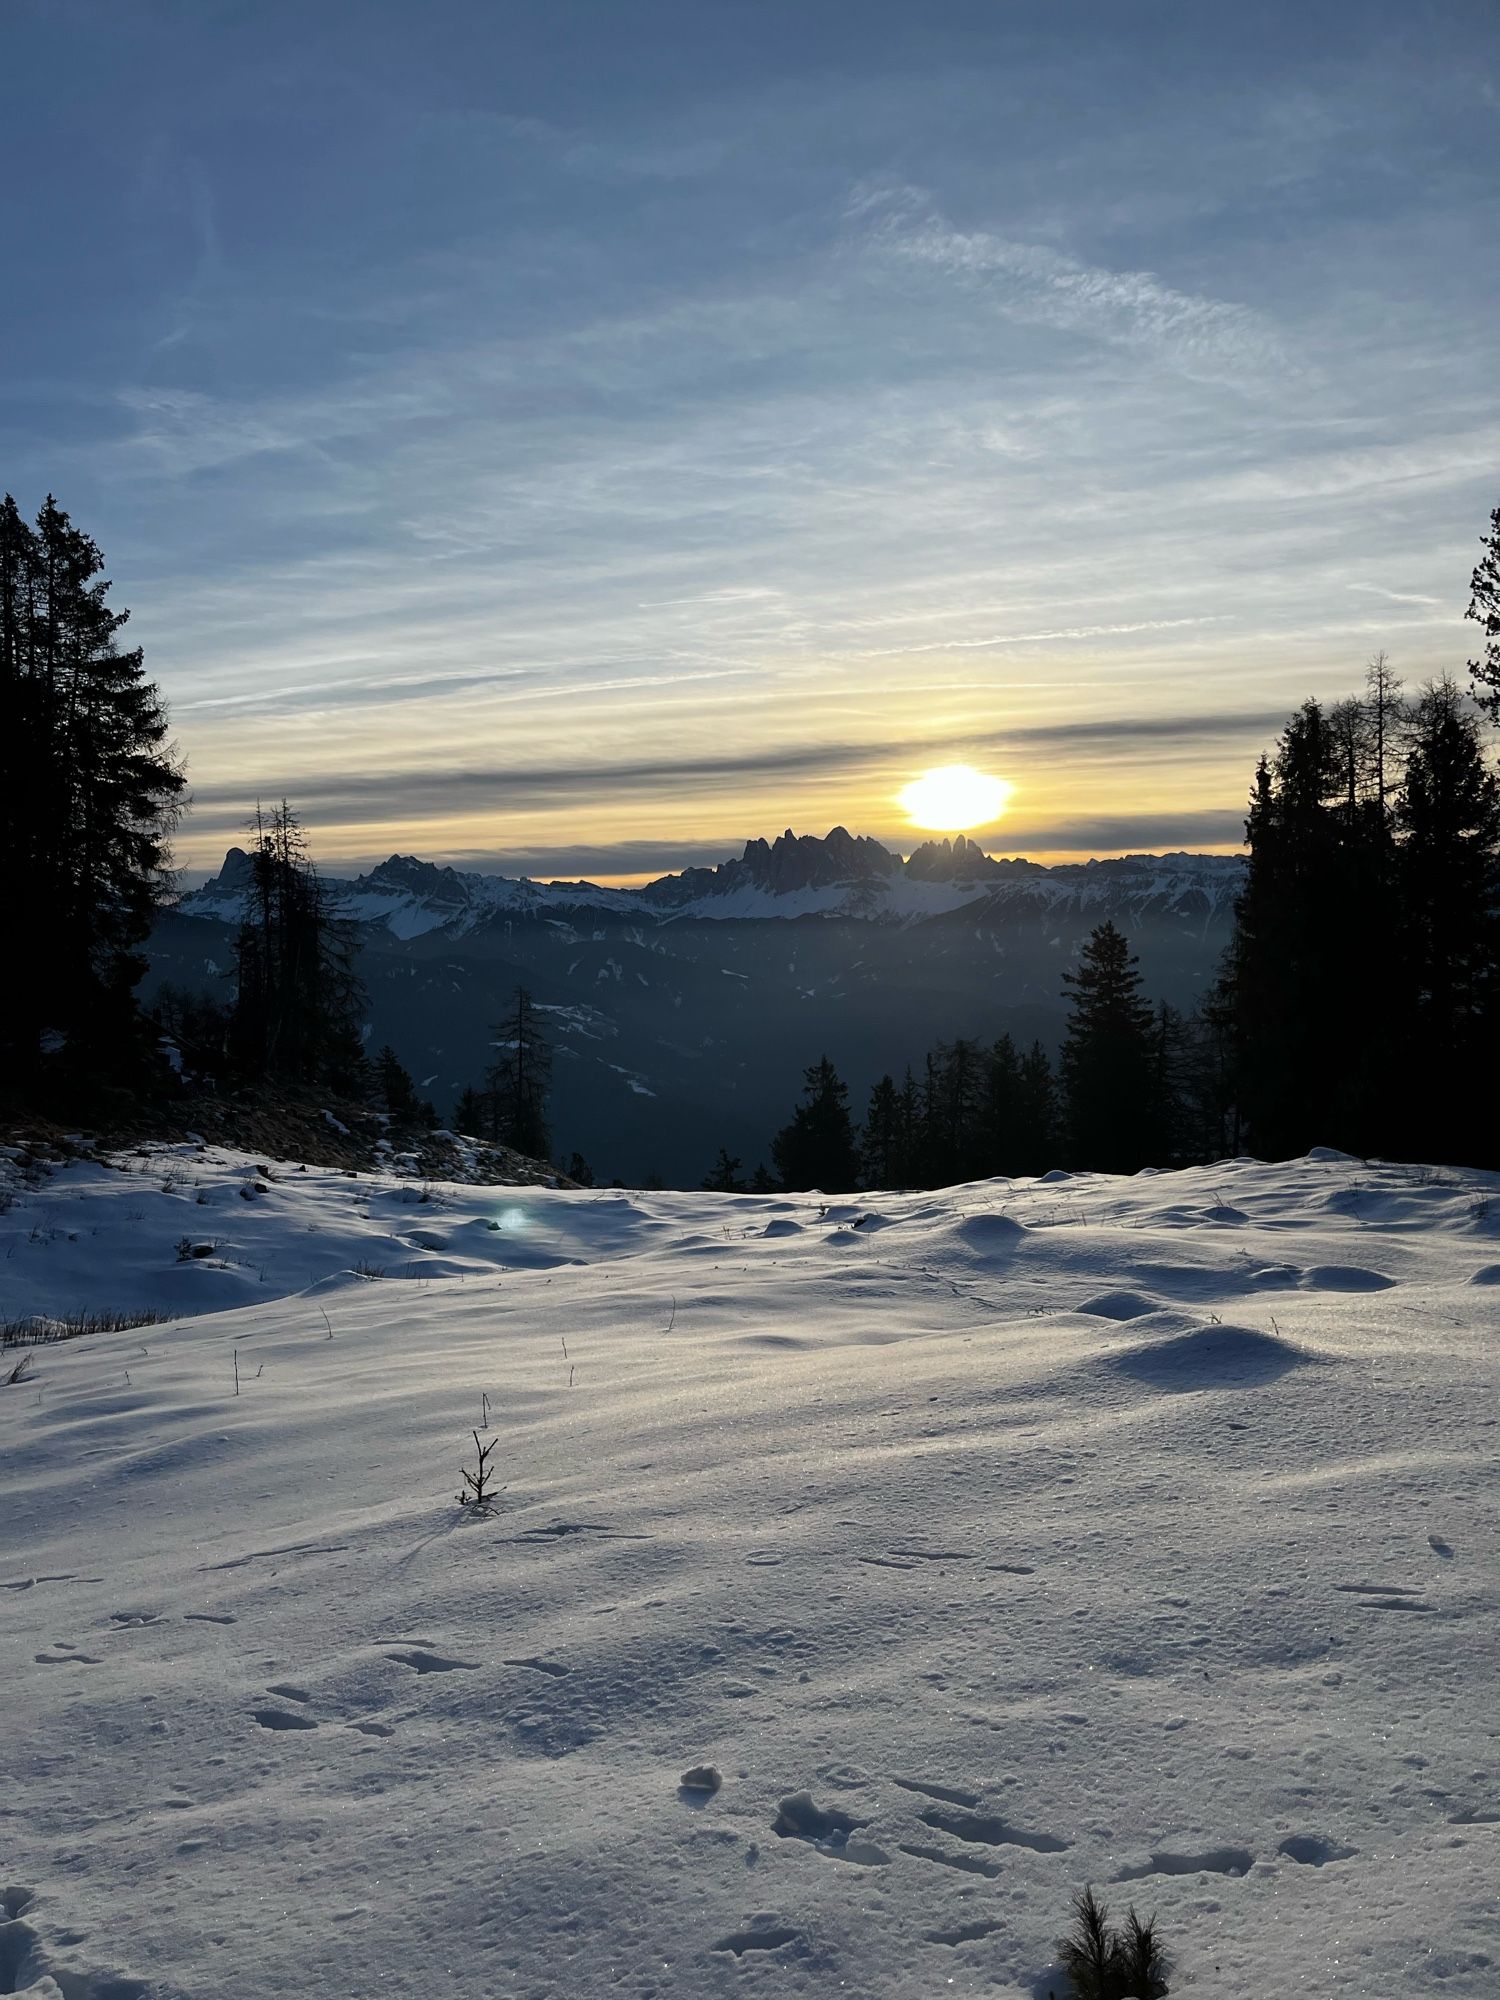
[987, 1542]
[837, 876]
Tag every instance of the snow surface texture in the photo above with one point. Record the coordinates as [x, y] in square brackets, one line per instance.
[865, 1580]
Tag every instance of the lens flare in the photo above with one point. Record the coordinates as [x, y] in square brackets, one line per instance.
[954, 798]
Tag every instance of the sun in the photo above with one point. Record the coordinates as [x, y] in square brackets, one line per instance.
[954, 798]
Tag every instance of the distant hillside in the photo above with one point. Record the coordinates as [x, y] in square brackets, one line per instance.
[685, 1011]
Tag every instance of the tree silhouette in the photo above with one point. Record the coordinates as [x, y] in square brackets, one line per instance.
[816, 1150]
[518, 1080]
[90, 791]
[1484, 609]
[1110, 1074]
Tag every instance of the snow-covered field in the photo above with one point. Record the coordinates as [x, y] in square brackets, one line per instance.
[1136, 1532]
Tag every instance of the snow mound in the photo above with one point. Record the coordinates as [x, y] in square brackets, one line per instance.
[1118, 1305]
[1184, 1354]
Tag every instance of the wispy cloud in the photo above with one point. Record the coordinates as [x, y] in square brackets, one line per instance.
[1043, 286]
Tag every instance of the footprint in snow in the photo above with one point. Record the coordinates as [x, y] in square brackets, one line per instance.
[1313, 1851]
[422, 1661]
[26, 1965]
[283, 1718]
[65, 1654]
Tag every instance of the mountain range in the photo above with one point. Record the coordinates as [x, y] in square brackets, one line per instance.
[684, 1011]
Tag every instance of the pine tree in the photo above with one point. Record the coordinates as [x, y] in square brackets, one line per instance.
[1448, 816]
[580, 1171]
[298, 998]
[1109, 1065]
[1036, 1124]
[90, 790]
[1308, 977]
[816, 1150]
[518, 1080]
[762, 1181]
[882, 1146]
[471, 1114]
[724, 1175]
[396, 1090]
[1484, 609]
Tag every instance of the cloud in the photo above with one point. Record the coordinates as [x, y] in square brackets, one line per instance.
[1042, 286]
[405, 793]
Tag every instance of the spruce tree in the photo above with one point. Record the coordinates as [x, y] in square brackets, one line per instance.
[882, 1149]
[816, 1150]
[1111, 1076]
[298, 998]
[90, 790]
[1035, 1133]
[398, 1093]
[1448, 817]
[724, 1175]
[1308, 977]
[1484, 609]
[519, 1079]
[471, 1114]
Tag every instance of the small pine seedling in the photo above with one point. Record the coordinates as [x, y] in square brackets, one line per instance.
[1108, 1964]
[477, 1486]
[1088, 1951]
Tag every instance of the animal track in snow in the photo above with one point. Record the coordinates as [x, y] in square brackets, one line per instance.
[1313, 1851]
[830, 1830]
[914, 1558]
[770, 1938]
[65, 1654]
[25, 1967]
[1212, 1861]
[423, 1662]
[985, 1830]
[283, 1718]
[968, 1933]
[970, 1864]
[950, 1795]
[288, 1692]
[58, 1576]
[135, 1617]
[210, 1618]
[540, 1666]
[286, 1549]
[373, 1728]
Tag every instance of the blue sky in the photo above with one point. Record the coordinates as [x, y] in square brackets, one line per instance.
[579, 436]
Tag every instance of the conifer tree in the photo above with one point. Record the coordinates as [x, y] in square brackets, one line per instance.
[724, 1175]
[1448, 816]
[1484, 609]
[1110, 1072]
[518, 1080]
[90, 791]
[298, 998]
[816, 1150]
[882, 1146]
[1308, 975]
[398, 1093]
[471, 1114]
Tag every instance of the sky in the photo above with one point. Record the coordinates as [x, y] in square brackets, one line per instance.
[576, 437]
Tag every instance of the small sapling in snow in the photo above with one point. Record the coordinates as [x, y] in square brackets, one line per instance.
[1109, 1964]
[478, 1485]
